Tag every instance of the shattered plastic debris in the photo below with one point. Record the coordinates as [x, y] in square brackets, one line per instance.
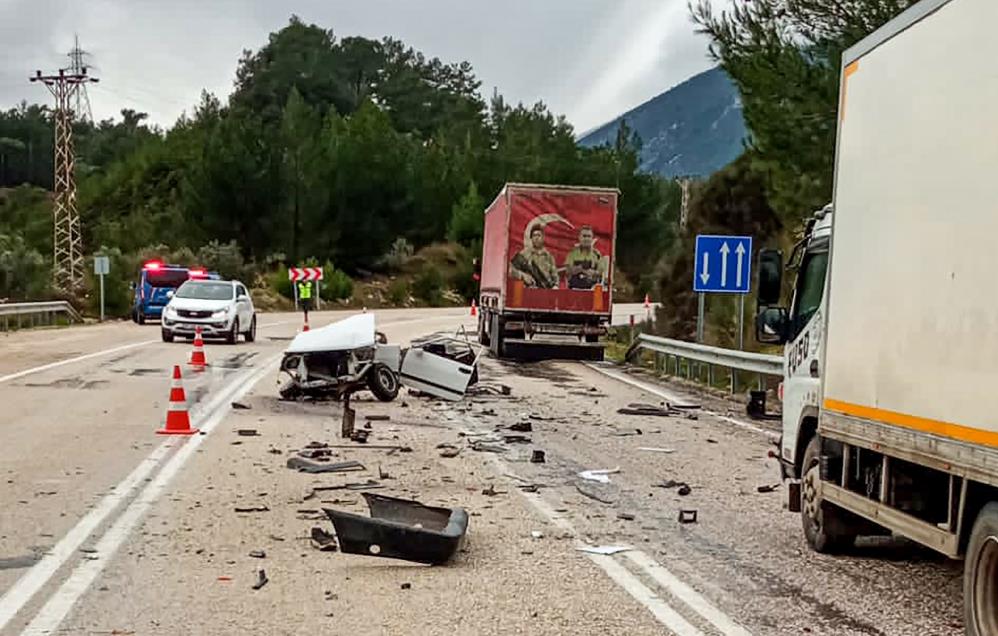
[261, 580]
[305, 466]
[323, 541]
[656, 450]
[604, 549]
[599, 475]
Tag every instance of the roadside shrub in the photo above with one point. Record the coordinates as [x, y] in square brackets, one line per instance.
[226, 259]
[336, 284]
[398, 255]
[428, 286]
[398, 292]
[24, 272]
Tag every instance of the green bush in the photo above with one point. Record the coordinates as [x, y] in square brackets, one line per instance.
[224, 258]
[399, 255]
[428, 286]
[336, 284]
[24, 273]
[280, 283]
[463, 280]
[398, 292]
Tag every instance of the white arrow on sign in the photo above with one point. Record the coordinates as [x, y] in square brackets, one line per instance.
[740, 250]
[724, 263]
[705, 276]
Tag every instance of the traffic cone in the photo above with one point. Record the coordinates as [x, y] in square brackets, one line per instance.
[474, 308]
[647, 301]
[305, 327]
[198, 361]
[178, 422]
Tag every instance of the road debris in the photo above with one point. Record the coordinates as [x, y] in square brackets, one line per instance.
[252, 509]
[628, 432]
[600, 475]
[687, 516]
[322, 540]
[401, 529]
[377, 418]
[529, 487]
[537, 457]
[360, 435]
[604, 549]
[653, 449]
[261, 579]
[537, 534]
[595, 491]
[521, 427]
[316, 453]
[625, 516]
[305, 466]
[383, 474]
[767, 488]
[448, 450]
[648, 410]
[490, 491]
[711, 441]
[239, 406]
[516, 439]
[258, 554]
[247, 432]
[406, 586]
[483, 446]
[684, 490]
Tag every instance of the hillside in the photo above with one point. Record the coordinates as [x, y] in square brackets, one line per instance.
[693, 129]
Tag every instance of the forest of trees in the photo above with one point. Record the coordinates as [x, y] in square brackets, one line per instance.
[329, 149]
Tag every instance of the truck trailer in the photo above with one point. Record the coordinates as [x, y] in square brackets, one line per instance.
[547, 271]
[890, 405]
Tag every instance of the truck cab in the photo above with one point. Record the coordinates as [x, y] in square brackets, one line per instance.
[800, 330]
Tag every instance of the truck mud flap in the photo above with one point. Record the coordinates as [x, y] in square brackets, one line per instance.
[401, 529]
[536, 350]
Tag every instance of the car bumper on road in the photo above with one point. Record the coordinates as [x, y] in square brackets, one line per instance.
[187, 326]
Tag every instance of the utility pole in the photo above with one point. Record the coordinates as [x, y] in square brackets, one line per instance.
[67, 266]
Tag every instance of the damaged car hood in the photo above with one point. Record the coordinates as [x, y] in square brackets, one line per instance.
[355, 332]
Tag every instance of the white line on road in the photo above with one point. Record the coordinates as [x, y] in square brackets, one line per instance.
[60, 604]
[672, 397]
[686, 594]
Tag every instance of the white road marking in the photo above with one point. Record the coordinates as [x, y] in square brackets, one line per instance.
[672, 397]
[98, 354]
[631, 584]
[79, 581]
[661, 575]
[34, 579]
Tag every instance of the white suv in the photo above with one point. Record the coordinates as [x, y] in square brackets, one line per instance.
[222, 308]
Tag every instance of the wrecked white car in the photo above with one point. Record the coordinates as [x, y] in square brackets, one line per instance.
[350, 355]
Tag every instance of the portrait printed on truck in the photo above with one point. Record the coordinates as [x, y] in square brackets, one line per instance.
[558, 242]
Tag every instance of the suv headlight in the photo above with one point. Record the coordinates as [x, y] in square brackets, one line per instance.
[221, 313]
[170, 312]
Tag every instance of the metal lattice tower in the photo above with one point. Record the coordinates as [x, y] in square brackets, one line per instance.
[67, 266]
[684, 210]
[77, 66]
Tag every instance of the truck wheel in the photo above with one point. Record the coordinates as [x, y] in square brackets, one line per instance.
[250, 335]
[167, 335]
[383, 383]
[980, 575]
[822, 528]
[233, 335]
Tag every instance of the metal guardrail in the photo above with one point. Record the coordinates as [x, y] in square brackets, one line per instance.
[758, 363]
[33, 314]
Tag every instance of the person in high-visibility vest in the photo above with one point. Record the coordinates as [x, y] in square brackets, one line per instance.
[305, 296]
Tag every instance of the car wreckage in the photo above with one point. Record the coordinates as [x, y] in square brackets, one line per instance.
[351, 355]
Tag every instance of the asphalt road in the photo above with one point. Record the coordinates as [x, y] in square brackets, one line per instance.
[109, 529]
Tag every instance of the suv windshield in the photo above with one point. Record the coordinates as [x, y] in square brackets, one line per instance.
[205, 290]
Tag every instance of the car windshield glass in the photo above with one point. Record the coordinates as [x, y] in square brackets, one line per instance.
[205, 291]
[166, 277]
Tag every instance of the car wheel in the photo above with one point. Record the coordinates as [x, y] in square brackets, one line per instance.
[383, 383]
[233, 335]
[251, 334]
[167, 335]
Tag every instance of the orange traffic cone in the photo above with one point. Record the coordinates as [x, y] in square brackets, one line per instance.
[647, 301]
[305, 327]
[198, 360]
[178, 422]
[474, 308]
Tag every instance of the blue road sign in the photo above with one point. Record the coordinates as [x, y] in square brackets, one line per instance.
[723, 264]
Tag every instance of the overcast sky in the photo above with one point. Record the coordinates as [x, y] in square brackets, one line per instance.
[587, 59]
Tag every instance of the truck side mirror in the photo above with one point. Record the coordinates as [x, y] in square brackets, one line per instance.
[772, 325]
[770, 277]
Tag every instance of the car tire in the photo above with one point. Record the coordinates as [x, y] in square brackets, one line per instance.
[383, 382]
[250, 334]
[167, 335]
[233, 335]
[824, 528]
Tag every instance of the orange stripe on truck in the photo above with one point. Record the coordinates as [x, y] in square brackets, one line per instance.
[850, 70]
[913, 422]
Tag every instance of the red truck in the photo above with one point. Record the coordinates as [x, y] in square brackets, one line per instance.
[547, 271]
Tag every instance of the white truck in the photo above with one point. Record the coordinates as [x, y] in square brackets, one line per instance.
[890, 394]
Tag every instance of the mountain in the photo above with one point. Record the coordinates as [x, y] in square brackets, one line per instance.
[692, 129]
